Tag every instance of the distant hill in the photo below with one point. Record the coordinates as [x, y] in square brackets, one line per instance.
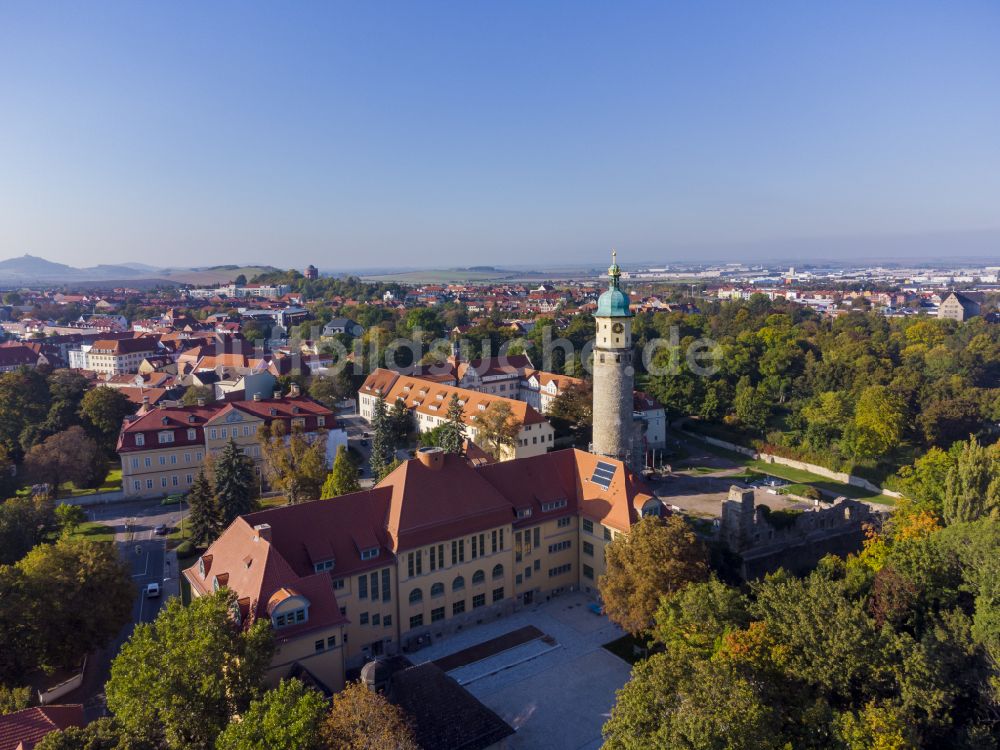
[29, 269]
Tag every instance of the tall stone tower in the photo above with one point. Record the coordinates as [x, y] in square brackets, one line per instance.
[613, 371]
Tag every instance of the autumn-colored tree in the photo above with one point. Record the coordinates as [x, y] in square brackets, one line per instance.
[295, 464]
[361, 719]
[68, 456]
[497, 428]
[655, 558]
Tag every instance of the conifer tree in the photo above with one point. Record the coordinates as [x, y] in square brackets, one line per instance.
[344, 477]
[453, 431]
[235, 483]
[383, 446]
[205, 516]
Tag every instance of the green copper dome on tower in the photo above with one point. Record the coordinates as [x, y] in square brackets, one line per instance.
[614, 302]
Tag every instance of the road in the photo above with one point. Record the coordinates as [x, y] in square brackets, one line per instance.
[145, 554]
[356, 427]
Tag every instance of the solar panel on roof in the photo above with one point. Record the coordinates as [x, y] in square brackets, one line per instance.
[603, 474]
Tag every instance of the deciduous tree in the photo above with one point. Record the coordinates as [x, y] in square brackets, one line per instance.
[497, 428]
[295, 464]
[289, 717]
[179, 680]
[104, 409]
[656, 558]
[68, 456]
[362, 718]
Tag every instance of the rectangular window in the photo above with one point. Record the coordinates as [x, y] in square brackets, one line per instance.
[189, 479]
[607, 534]
[457, 551]
[386, 591]
[560, 546]
[475, 547]
[588, 549]
[501, 539]
[417, 621]
[519, 580]
[363, 587]
[214, 433]
[518, 548]
[338, 584]
[363, 618]
[376, 618]
[527, 571]
[136, 485]
[538, 536]
[479, 600]
[494, 540]
[331, 641]
[410, 565]
[437, 614]
[149, 484]
[319, 645]
[538, 565]
[497, 594]
[588, 525]
[135, 463]
[588, 572]
[374, 586]
[553, 572]
[387, 621]
[163, 460]
[458, 608]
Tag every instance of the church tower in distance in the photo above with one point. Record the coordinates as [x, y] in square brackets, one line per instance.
[613, 371]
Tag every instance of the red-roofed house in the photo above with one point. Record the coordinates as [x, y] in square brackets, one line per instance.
[436, 546]
[22, 730]
[162, 449]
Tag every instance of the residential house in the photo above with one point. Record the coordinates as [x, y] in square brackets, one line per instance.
[119, 356]
[162, 449]
[960, 306]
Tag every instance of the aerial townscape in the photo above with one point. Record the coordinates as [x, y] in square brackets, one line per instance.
[414, 376]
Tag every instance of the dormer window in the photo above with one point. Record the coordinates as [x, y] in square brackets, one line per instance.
[167, 436]
[292, 617]
[320, 421]
[190, 418]
[324, 565]
[295, 410]
[140, 439]
[273, 412]
[164, 421]
[201, 567]
[523, 512]
[370, 553]
[192, 434]
[553, 505]
[215, 583]
[482, 407]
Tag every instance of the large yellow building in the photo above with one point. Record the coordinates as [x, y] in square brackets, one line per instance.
[162, 449]
[438, 545]
[428, 401]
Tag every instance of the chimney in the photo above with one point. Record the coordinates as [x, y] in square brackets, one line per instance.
[294, 391]
[201, 402]
[277, 393]
[145, 402]
[432, 457]
[256, 397]
[262, 531]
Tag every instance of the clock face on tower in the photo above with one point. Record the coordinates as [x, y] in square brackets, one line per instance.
[617, 328]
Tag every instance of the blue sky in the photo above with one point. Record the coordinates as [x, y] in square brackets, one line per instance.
[429, 134]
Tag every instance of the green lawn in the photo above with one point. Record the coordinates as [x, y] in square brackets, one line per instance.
[797, 476]
[95, 532]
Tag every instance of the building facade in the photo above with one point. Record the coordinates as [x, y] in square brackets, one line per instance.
[119, 356]
[438, 545]
[163, 449]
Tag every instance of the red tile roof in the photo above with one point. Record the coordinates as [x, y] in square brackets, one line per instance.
[23, 729]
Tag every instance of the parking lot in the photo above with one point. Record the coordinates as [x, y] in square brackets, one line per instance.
[556, 692]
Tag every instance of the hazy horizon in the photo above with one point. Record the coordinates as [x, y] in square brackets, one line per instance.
[434, 135]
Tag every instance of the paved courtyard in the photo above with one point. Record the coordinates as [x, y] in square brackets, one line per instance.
[556, 692]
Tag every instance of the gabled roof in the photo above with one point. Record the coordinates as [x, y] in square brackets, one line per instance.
[432, 504]
[247, 563]
[22, 730]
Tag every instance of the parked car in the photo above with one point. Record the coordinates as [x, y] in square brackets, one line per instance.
[152, 590]
[160, 530]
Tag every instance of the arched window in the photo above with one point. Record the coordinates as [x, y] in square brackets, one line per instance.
[437, 589]
[458, 584]
[498, 571]
[478, 577]
[416, 596]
